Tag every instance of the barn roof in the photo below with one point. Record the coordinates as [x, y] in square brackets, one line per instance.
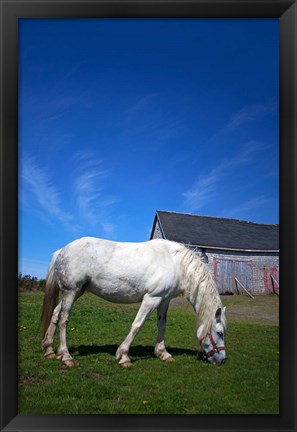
[218, 233]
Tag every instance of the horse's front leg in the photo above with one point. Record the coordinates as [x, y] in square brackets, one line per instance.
[148, 305]
[160, 350]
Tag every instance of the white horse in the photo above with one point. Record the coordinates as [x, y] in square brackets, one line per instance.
[152, 273]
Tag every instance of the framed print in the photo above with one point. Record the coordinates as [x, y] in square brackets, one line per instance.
[90, 130]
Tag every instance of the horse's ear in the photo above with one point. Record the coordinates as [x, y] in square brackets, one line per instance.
[218, 314]
[200, 331]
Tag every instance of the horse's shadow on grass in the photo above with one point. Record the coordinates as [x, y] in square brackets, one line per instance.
[137, 352]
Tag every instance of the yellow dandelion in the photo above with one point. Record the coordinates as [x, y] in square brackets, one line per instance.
[145, 402]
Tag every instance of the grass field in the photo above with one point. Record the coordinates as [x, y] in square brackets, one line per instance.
[248, 383]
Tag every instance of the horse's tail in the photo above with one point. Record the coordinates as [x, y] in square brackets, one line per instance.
[51, 295]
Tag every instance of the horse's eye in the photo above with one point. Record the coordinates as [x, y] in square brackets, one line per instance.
[220, 334]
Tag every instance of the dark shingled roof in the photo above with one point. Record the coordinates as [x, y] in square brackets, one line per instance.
[220, 233]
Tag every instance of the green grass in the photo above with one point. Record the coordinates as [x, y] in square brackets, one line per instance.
[246, 384]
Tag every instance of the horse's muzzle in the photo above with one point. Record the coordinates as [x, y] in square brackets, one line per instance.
[214, 360]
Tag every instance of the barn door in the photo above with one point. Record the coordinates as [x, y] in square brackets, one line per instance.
[243, 273]
[227, 270]
[271, 282]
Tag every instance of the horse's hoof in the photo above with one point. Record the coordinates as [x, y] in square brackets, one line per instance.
[169, 360]
[51, 356]
[69, 363]
[126, 364]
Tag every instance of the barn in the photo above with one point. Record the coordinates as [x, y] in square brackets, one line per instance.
[243, 256]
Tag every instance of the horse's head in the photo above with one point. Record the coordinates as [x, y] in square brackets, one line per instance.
[212, 343]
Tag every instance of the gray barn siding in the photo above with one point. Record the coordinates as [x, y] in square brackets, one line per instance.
[258, 263]
[157, 232]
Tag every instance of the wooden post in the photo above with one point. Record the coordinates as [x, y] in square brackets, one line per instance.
[237, 281]
[274, 281]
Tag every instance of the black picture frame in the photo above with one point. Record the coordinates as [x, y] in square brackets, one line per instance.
[11, 11]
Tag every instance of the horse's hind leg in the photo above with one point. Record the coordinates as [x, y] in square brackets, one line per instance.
[68, 298]
[47, 342]
[148, 305]
[160, 350]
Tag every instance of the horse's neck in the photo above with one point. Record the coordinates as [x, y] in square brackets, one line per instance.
[195, 297]
[202, 292]
[192, 281]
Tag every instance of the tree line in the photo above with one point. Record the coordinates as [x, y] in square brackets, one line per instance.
[30, 283]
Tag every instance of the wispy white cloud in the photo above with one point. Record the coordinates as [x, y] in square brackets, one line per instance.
[37, 180]
[49, 107]
[150, 116]
[248, 152]
[243, 119]
[92, 200]
[87, 191]
[89, 184]
[250, 113]
[251, 207]
[142, 103]
[203, 191]
[205, 188]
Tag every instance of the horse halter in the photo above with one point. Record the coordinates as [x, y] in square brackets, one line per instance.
[215, 349]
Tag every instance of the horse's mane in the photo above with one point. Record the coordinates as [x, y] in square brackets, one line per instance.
[201, 289]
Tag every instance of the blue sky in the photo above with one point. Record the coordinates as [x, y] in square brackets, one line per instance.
[121, 117]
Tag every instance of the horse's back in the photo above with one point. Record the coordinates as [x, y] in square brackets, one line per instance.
[117, 271]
